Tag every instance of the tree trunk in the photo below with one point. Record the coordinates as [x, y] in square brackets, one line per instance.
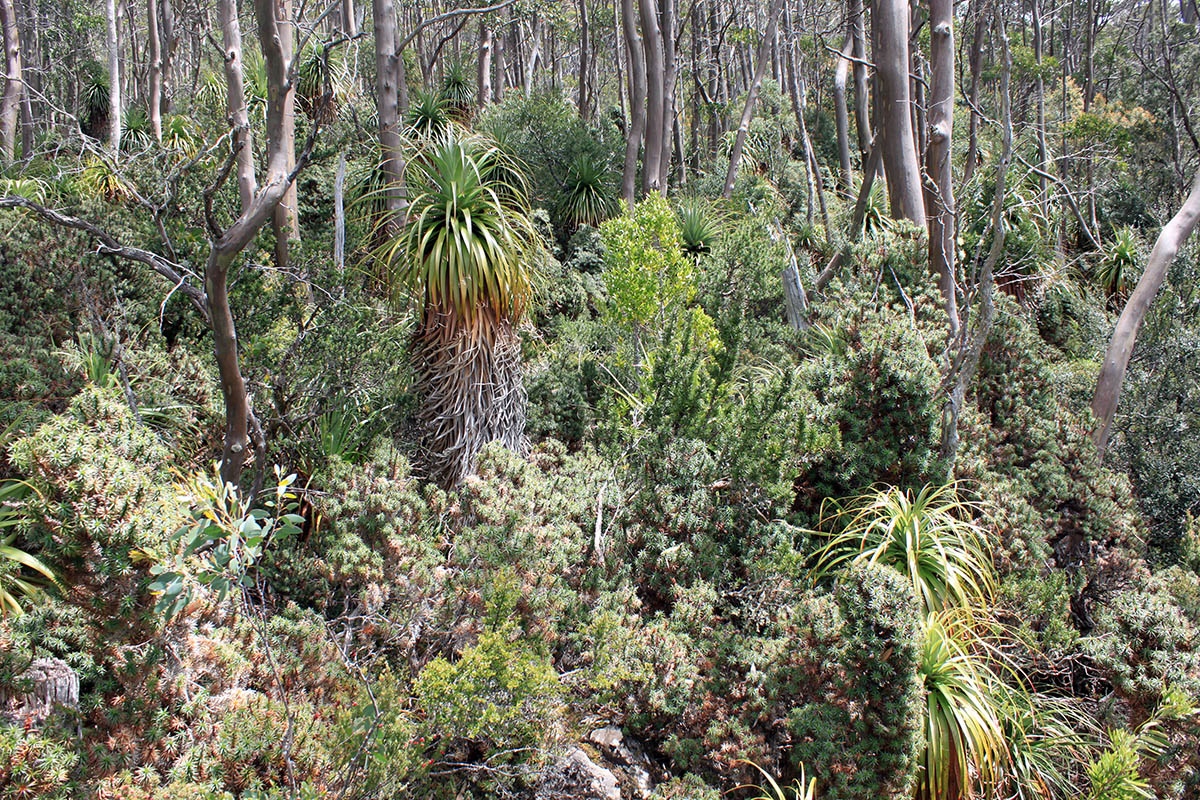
[966, 361]
[11, 99]
[235, 101]
[167, 44]
[939, 199]
[387, 65]
[670, 71]
[974, 63]
[636, 69]
[285, 218]
[114, 78]
[584, 54]
[889, 24]
[751, 96]
[1116, 360]
[484, 74]
[862, 120]
[842, 111]
[652, 39]
[155, 57]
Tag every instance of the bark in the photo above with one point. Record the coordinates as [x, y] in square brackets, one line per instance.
[11, 99]
[858, 29]
[155, 57]
[842, 111]
[751, 96]
[484, 73]
[285, 217]
[939, 199]
[670, 72]
[966, 361]
[652, 42]
[636, 69]
[974, 62]
[235, 101]
[114, 77]
[387, 67]
[889, 25]
[1116, 359]
[168, 41]
[584, 55]
[349, 23]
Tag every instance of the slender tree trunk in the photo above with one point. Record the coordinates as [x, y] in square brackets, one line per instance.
[862, 119]
[155, 57]
[1040, 91]
[286, 216]
[974, 61]
[13, 83]
[751, 96]
[1116, 359]
[584, 55]
[349, 23]
[842, 111]
[670, 72]
[235, 101]
[484, 74]
[966, 360]
[889, 24]
[939, 199]
[387, 67]
[636, 69]
[652, 42]
[114, 78]
[168, 41]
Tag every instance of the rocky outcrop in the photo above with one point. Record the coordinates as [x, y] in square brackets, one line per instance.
[576, 777]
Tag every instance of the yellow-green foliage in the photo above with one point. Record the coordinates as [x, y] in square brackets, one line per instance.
[500, 691]
[645, 269]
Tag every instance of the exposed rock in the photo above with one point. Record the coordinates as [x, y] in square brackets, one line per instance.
[51, 682]
[577, 777]
[634, 768]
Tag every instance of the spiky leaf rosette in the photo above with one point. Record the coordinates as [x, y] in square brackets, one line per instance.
[465, 253]
[468, 240]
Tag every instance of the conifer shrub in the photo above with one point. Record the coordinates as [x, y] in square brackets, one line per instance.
[848, 686]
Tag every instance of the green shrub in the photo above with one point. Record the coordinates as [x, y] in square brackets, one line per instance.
[32, 766]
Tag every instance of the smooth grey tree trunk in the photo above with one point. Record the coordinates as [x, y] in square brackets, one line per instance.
[889, 25]
[939, 198]
[114, 77]
[1116, 359]
[10, 100]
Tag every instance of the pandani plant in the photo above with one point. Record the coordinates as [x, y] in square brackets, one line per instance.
[465, 253]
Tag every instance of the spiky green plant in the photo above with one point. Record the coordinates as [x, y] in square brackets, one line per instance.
[930, 536]
[457, 91]
[876, 218]
[1116, 269]
[180, 134]
[322, 82]
[699, 227]
[428, 116]
[13, 584]
[962, 719]
[34, 189]
[98, 178]
[136, 133]
[589, 196]
[465, 254]
[1046, 738]
[803, 788]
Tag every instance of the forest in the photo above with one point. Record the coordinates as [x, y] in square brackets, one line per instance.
[600, 400]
